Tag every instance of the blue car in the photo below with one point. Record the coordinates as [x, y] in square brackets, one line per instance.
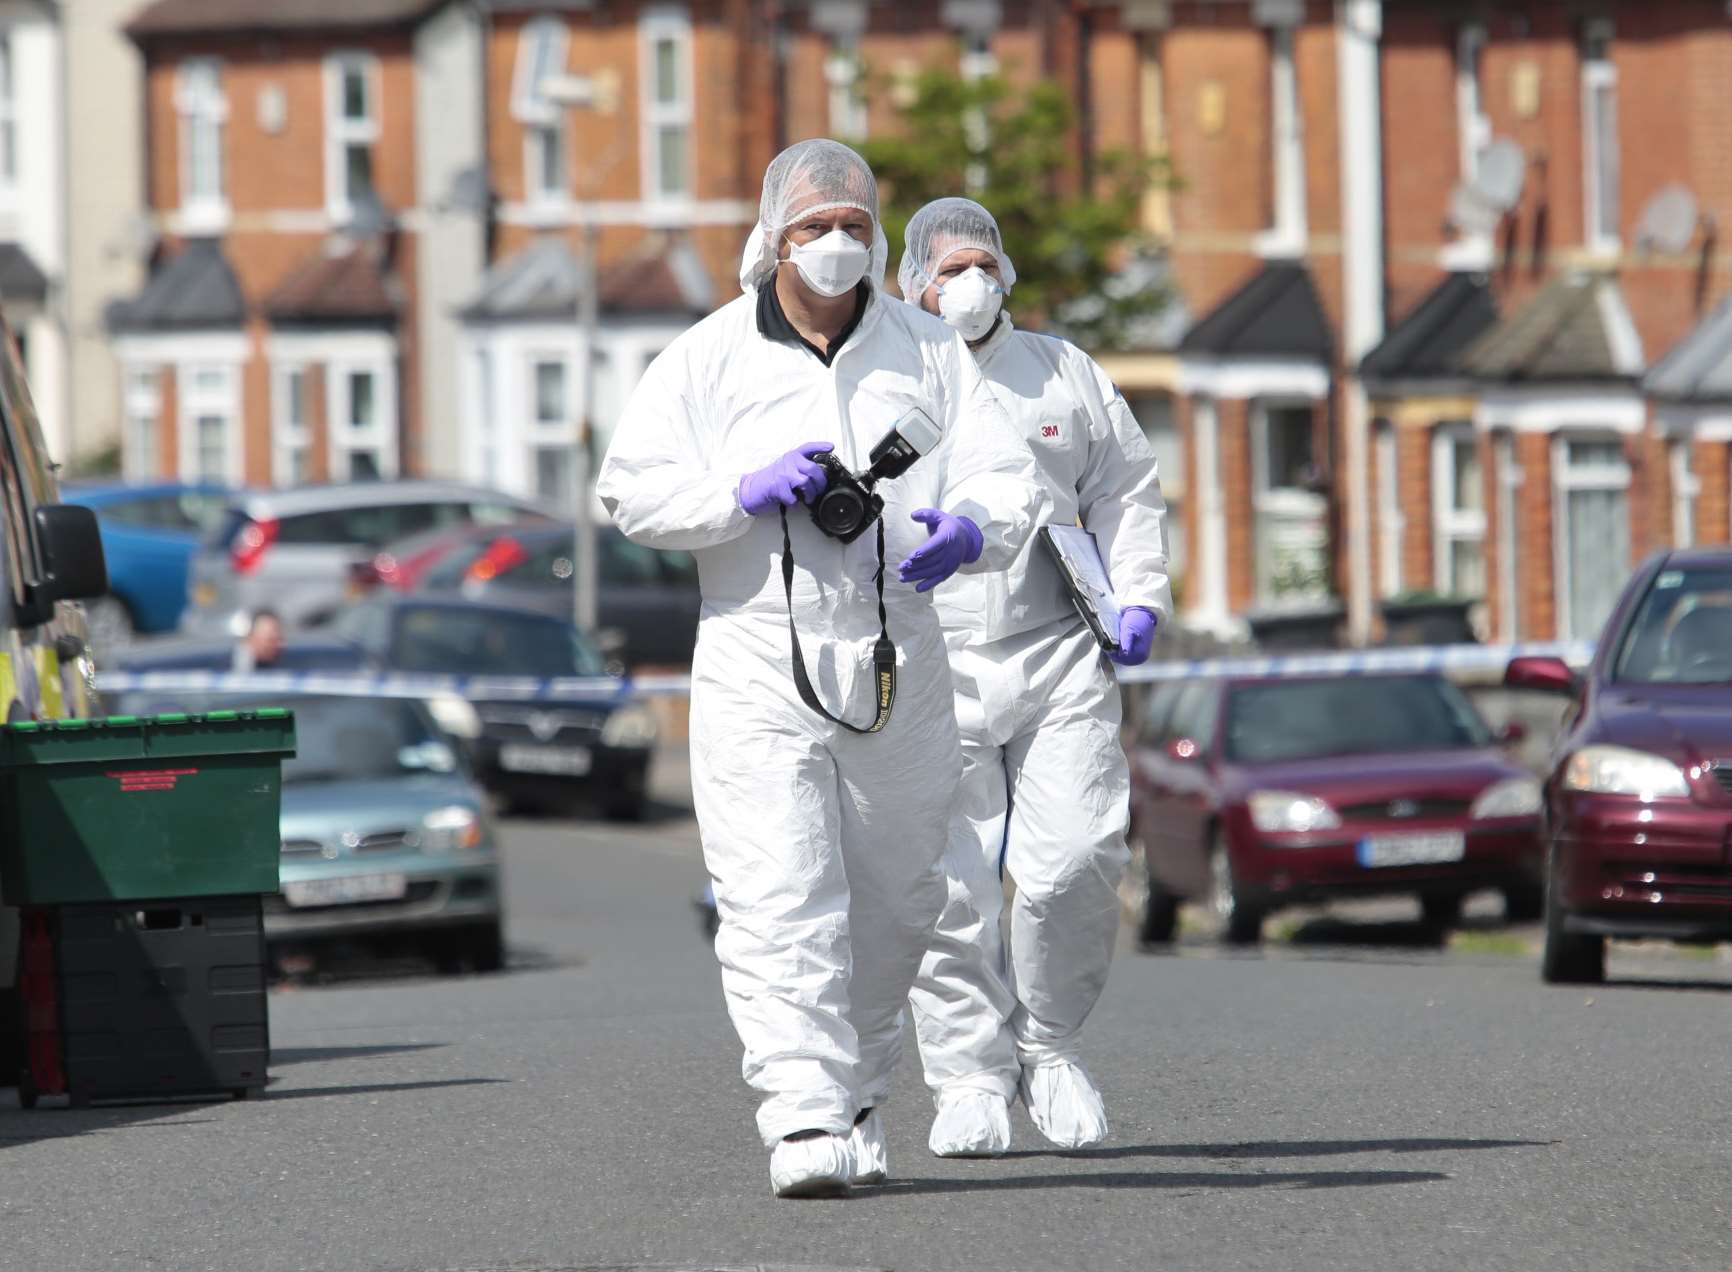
[149, 534]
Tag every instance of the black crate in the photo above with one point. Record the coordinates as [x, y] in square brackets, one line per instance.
[162, 997]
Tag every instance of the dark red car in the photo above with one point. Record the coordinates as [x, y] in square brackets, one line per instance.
[1251, 794]
[1638, 803]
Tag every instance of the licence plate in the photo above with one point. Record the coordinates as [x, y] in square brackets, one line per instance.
[566, 761]
[346, 890]
[1412, 850]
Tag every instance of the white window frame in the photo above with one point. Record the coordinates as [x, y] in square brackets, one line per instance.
[1564, 480]
[1451, 525]
[1287, 236]
[289, 437]
[656, 24]
[341, 133]
[1210, 554]
[849, 119]
[1391, 524]
[1269, 501]
[542, 49]
[200, 103]
[544, 434]
[342, 442]
[222, 399]
[1599, 73]
[8, 119]
[1686, 489]
[141, 408]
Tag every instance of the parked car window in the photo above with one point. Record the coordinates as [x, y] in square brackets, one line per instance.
[1682, 633]
[680, 568]
[1194, 712]
[1311, 719]
[489, 642]
[453, 568]
[498, 514]
[1157, 711]
[623, 561]
[126, 512]
[365, 626]
[548, 565]
[370, 526]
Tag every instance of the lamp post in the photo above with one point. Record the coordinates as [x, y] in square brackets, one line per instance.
[599, 93]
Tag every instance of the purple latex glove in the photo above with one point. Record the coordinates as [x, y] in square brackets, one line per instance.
[784, 483]
[1136, 635]
[951, 543]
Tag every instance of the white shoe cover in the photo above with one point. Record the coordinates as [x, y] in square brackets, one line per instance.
[815, 1167]
[871, 1154]
[1064, 1104]
[970, 1124]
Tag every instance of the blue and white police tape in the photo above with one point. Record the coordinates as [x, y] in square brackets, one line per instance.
[593, 689]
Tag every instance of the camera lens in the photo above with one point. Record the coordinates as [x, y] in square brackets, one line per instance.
[840, 510]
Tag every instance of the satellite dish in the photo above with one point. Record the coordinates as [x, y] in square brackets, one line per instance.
[1470, 213]
[1502, 167]
[1669, 221]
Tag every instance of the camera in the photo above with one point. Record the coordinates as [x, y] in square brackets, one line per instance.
[849, 503]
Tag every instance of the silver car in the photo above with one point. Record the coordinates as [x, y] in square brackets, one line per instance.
[296, 551]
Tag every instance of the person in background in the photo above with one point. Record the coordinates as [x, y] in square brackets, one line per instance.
[1045, 786]
[822, 839]
[260, 648]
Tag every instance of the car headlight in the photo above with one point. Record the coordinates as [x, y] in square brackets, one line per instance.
[633, 725]
[451, 829]
[455, 715]
[1275, 811]
[1618, 770]
[1512, 797]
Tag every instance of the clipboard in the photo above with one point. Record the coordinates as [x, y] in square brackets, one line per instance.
[1078, 558]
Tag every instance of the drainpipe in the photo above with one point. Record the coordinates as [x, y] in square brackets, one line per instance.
[779, 70]
[1359, 26]
[1085, 26]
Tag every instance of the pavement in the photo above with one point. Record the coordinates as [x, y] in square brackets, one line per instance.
[1351, 1101]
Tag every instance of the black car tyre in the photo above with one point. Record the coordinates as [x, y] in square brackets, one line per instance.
[1570, 958]
[1524, 903]
[1240, 923]
[1441, 909]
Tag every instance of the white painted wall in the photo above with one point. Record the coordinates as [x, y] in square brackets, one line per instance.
[105, 176]
[451, 256]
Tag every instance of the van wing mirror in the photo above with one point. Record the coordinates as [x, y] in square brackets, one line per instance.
[1548, 675]
[73, 566]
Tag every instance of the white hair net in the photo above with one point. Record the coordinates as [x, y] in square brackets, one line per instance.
[811, 176]
[941, 229]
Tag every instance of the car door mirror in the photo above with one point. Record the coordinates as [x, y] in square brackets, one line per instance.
[1184, 749]
[1548, 675]
[73, 566]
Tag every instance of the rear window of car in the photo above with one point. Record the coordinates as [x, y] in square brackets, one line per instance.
[371, 526]
[489, 642]
[1682, 632]
[1314, 719]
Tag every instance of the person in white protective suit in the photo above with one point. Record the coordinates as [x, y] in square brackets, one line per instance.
[823, 841]
[1045, 786]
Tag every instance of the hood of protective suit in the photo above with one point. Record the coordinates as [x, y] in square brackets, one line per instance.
[811, 176]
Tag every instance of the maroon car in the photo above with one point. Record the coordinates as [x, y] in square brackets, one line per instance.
[1250, 794]
[1638, 804]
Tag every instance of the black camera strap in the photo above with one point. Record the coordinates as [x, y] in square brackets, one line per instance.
[883, 652]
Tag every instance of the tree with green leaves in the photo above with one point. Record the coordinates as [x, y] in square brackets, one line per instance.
[1077, 247]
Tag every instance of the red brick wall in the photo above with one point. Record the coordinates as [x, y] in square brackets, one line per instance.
[168, 426]
[1534, 537]
[1234, 423]
[1413, 482]
[1712, 506]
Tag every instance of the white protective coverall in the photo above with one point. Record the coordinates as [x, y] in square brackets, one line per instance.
[824, 846]
[1045, 787]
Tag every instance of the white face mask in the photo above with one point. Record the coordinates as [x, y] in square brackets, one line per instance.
[970, 302]
[833, 264]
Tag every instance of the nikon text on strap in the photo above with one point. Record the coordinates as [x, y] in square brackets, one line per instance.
[883, 652]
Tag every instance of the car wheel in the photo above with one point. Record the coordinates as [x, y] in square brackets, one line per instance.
[1570, 958]
[1441, 909]
[1239, 923]
[109, 622]
[1524, 903]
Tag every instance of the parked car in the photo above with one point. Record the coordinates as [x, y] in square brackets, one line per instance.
[1638, 800]
[50, 557]
[292, 550]
[647, 609]
[149, 535]
[1253, 793]
[588, 749]
[385, 834]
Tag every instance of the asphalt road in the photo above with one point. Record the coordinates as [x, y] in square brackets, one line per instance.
[1315, 1106]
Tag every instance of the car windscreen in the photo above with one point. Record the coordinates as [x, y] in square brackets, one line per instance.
[336, 739]
[1312, 719]
[450, 640]
[1682, 632]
